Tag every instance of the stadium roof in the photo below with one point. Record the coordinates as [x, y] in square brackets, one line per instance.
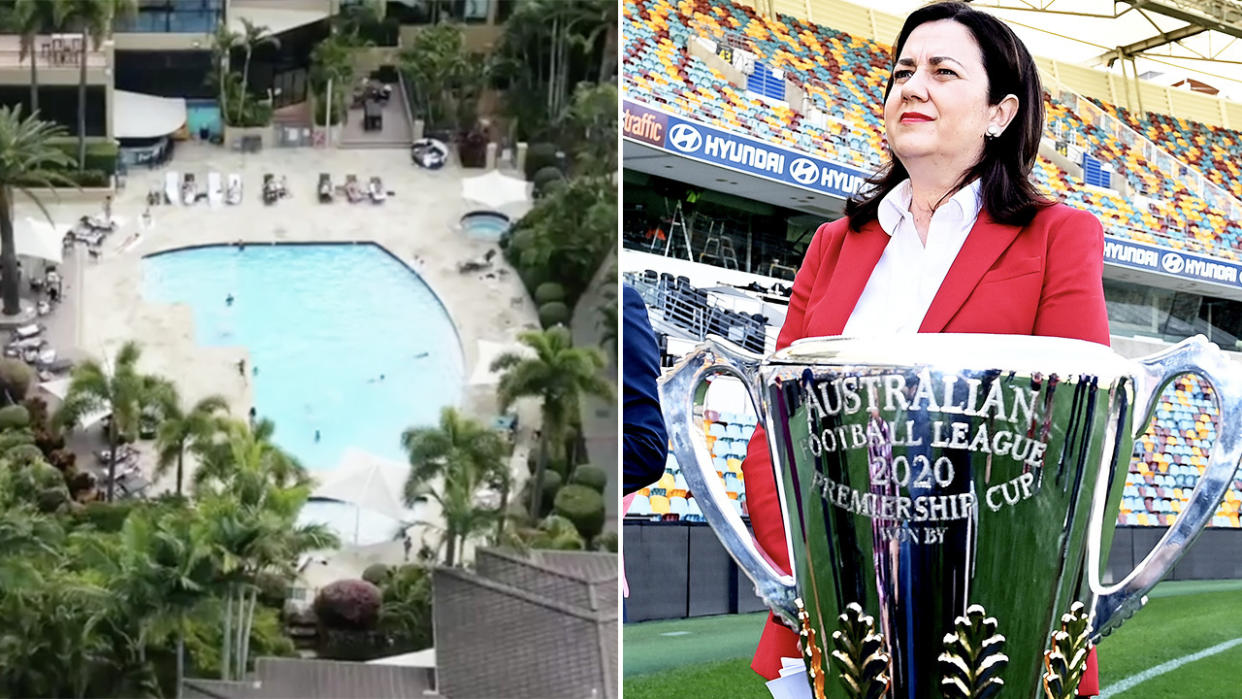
[1170, 40]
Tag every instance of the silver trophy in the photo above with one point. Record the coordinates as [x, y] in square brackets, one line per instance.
[949, 500]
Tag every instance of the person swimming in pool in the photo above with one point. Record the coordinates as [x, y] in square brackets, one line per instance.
[228, 300]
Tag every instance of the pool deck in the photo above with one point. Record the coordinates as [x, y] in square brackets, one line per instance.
[418, 223]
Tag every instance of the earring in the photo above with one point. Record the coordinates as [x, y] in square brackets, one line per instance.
[993, 132]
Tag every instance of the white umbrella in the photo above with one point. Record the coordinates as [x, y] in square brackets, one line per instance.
[35, 238]
[373, 485]
[59, 388]
[495, 190]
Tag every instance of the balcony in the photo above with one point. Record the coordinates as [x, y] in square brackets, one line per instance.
[51, 53]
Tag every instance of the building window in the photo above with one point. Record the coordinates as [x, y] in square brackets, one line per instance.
[173, 17]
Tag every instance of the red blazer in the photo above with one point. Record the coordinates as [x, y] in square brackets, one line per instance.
[1041, 279]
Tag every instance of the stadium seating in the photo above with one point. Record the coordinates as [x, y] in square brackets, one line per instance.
[844, 77]
[1212, 150]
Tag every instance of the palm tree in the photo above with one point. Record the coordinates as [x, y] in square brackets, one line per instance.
[558, 374]
[467, 456]
[119, 389]
[35, 17]
[181, 429]
[252, 36]
[26, 156]
[244, 460]
[93, 18]
[253, 531]
[223, 43]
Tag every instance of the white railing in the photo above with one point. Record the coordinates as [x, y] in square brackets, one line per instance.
[1216, 197]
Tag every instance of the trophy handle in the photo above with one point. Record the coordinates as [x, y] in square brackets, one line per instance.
[1113, 605]
[679, 390]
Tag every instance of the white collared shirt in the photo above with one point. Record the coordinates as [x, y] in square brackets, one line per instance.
[908, 275]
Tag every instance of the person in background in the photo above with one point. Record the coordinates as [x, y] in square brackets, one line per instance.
[645, 446]
[951, 236]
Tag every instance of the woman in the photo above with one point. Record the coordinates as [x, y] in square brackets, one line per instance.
[951, 237]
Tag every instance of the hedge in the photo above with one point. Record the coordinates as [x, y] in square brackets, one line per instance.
[14, 417]
[100, 155]
[554, 313]
[548, 292]
[539, 156]
[582, 506]
[592, 477]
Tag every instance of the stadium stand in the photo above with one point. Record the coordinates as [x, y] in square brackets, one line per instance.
[1212, 150]
[845, 122]
[841, 79]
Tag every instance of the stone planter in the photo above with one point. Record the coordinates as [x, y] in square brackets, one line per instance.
[233, 135]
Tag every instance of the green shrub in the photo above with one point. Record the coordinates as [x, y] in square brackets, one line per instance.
[348, 604]
[605, 542]
[338, 111]
[592, 477]
[273, 589]
[14, 417]
[544, 177]
[106, 516]
[548, 292]
[539, 156]
[100, 155]
[551, 188]
[582, 506]
[551, 486]
[15, 378]
[204, 634]
[554, 313]
[376, 574]
[26, 454]
[555, 532]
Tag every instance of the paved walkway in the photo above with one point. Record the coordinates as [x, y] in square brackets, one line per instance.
[599, 417]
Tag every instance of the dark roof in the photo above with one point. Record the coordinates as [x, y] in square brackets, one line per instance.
[282, 678]
[527, 626]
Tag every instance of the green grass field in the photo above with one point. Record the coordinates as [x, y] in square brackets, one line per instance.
[710, 656]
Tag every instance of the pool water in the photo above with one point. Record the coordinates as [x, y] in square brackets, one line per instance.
[485, 225]
[322, 323]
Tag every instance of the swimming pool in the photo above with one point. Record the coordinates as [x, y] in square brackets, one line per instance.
[322, 324]
[485, 225]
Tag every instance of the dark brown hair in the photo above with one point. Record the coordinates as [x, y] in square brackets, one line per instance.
[1007, 193]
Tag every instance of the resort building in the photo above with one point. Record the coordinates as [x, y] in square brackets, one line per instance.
[165, 51]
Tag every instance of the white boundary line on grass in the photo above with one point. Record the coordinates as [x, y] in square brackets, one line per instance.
[1135, 680]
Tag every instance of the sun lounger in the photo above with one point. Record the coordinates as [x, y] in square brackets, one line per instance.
[270, 191]
[234, 194]
[28, 331]
[376, 190]
[189, 190]
[215, 189]
[473, 266]
[353, 190]
[27, 343]
[429, 153]
[325, 188]
[172, 187]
